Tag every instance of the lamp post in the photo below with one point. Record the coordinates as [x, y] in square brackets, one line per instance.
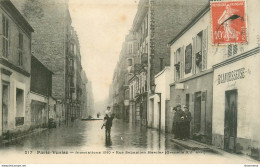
[160, 96]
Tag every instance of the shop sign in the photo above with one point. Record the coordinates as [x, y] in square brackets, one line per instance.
[228, 22]
[179, 86]
[231, 76]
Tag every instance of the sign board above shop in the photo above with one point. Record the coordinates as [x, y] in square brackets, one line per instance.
[228, 22]
[179, 86]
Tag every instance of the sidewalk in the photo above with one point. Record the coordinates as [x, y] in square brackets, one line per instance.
[194, 145]
[7, 141]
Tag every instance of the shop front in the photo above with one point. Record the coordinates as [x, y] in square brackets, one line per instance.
[235, 105]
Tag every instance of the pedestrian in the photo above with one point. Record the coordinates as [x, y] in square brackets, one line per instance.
[108, 119]
[178, 121]
[187, 121]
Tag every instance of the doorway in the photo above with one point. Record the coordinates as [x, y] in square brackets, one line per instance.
[230, 126]
[197, 112]
[5, 107]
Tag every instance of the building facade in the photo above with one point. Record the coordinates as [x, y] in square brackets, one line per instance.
[235, 91]
[213, 81]
[41, 95]
[159, 102]
[54, 43]
[155, 22]
[122, 74]
[15, 65]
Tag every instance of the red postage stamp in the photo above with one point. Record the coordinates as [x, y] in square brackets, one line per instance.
[228, 22]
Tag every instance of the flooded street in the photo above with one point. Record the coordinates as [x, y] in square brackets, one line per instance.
[88, 135]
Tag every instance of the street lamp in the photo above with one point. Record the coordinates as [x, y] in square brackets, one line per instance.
[159, 94]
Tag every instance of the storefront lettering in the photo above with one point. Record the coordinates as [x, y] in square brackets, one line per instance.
[231, 76]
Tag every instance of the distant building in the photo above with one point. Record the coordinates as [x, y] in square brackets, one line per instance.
[123, 72]
[90, 100]
[84, 99]
[15, 65]
[75, 76]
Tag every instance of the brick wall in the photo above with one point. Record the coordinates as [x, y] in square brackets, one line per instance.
[168, 19]
[49, 19]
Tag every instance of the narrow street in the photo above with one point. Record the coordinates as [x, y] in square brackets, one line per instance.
[88, 135]
[83, 136]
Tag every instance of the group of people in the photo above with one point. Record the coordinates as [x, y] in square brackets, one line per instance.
[181, 122]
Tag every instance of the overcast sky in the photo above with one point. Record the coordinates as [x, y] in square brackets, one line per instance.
[101, 26]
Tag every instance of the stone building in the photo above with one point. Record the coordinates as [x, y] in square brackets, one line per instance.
[84, 98]
[52, 45]
[123, 72]
[15, 65]
[155, 23]
[219, 83]
[191, 61]
[75, 79]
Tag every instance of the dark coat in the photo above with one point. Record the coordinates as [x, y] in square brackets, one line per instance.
[109, 121]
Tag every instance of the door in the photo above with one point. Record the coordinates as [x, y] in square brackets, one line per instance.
[230, 126]
[152, 106]
[5, 107]
[197, 112]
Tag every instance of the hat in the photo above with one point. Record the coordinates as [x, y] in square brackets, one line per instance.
[178, 105]
[184, 106]
[108, 106]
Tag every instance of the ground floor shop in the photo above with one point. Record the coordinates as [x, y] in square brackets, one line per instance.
[14, 101]
[236, 105]
[196, 93]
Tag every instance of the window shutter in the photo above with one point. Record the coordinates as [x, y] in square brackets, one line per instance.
[193, 55]
[174, 69]
[182, 62]
[204, 48]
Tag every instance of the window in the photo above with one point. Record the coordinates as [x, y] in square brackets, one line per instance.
[232, 50]
[161, 63]
[19, 120]
[177, 64]
[130, 62]
[198, 56]
[20, 50]
[75, 50]
[130, 48]
[5, 36]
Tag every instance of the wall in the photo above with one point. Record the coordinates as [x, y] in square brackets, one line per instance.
[16, 80]
[178, 96]
[169, 18]
[48, 41]
[248, 107]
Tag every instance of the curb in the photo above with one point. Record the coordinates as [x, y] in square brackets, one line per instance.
[4, 142]
[198, 147]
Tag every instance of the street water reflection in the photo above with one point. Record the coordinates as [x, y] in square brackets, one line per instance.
[88, 135]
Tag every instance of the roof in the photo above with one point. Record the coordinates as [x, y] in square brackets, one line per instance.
[10, 8]
[161, 72]
[190, 24]
[38, 61]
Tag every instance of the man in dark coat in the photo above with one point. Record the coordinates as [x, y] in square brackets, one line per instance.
[108, 123]
[178, 121]
[187, 121]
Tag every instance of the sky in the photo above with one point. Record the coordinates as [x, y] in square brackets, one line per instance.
[101, 26]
